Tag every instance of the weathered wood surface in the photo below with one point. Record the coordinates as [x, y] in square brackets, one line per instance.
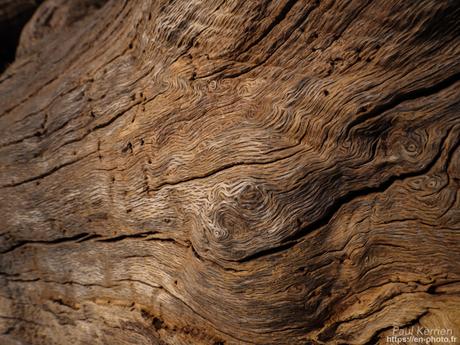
[230, 172]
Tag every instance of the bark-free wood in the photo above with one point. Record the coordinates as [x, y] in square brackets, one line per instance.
[230, 172]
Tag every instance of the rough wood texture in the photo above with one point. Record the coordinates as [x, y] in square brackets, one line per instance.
[230, 172]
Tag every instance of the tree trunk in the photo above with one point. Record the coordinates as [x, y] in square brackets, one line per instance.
[231, 172]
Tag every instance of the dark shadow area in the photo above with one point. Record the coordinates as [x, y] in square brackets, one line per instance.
[14, 14]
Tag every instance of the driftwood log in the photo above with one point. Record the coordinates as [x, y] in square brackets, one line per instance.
[230, 172]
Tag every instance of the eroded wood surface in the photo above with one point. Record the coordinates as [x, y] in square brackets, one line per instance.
[230, 172]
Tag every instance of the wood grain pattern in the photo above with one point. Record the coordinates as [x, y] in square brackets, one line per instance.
[230, 172]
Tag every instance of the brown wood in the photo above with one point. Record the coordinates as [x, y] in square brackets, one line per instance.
[231, 172]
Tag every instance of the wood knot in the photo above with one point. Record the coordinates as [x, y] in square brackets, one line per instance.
[212, 85]
[297, 289]
[412, 144]
[240, 218]
[240, 210]
[432, 183]
[407, 146]
[250, 197]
